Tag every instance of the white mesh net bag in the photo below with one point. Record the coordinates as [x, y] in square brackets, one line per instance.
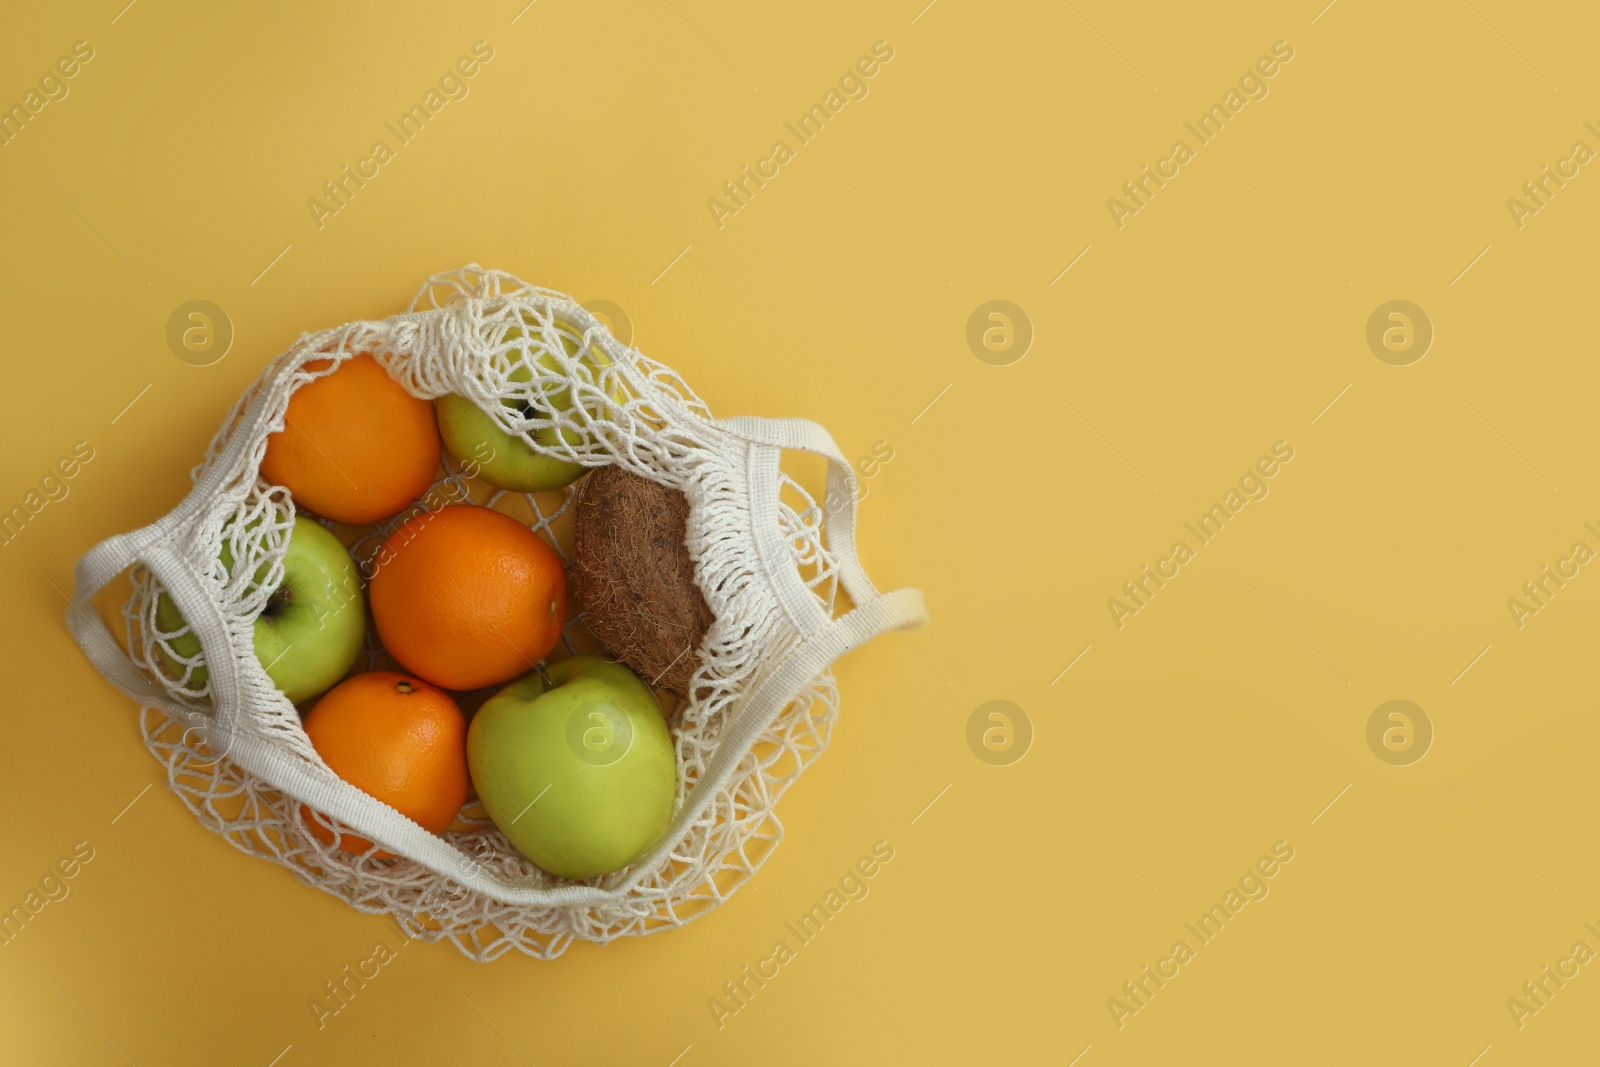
[778, 571]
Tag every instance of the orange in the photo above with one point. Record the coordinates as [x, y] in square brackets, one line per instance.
[398, 739]
[468, 597]
[355, 446]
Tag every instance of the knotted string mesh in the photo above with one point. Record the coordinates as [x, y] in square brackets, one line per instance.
[536, 361]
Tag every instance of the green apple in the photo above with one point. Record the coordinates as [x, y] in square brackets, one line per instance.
[504, 460]
[309, 634]
[578, 770]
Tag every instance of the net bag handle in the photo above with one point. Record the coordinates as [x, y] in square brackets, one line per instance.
[875, 612]
[98, 567]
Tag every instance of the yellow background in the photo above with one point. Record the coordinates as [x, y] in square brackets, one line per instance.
[1220, 319]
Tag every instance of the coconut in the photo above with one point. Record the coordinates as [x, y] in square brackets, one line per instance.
[632, 569]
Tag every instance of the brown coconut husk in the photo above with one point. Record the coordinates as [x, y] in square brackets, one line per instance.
[632, 570]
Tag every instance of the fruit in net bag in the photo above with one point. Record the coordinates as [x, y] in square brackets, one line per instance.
[632, 570]
[468, 597]
[398, 739]
[504, 460]
[575, 767]
[309, 634]
[355, 446]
